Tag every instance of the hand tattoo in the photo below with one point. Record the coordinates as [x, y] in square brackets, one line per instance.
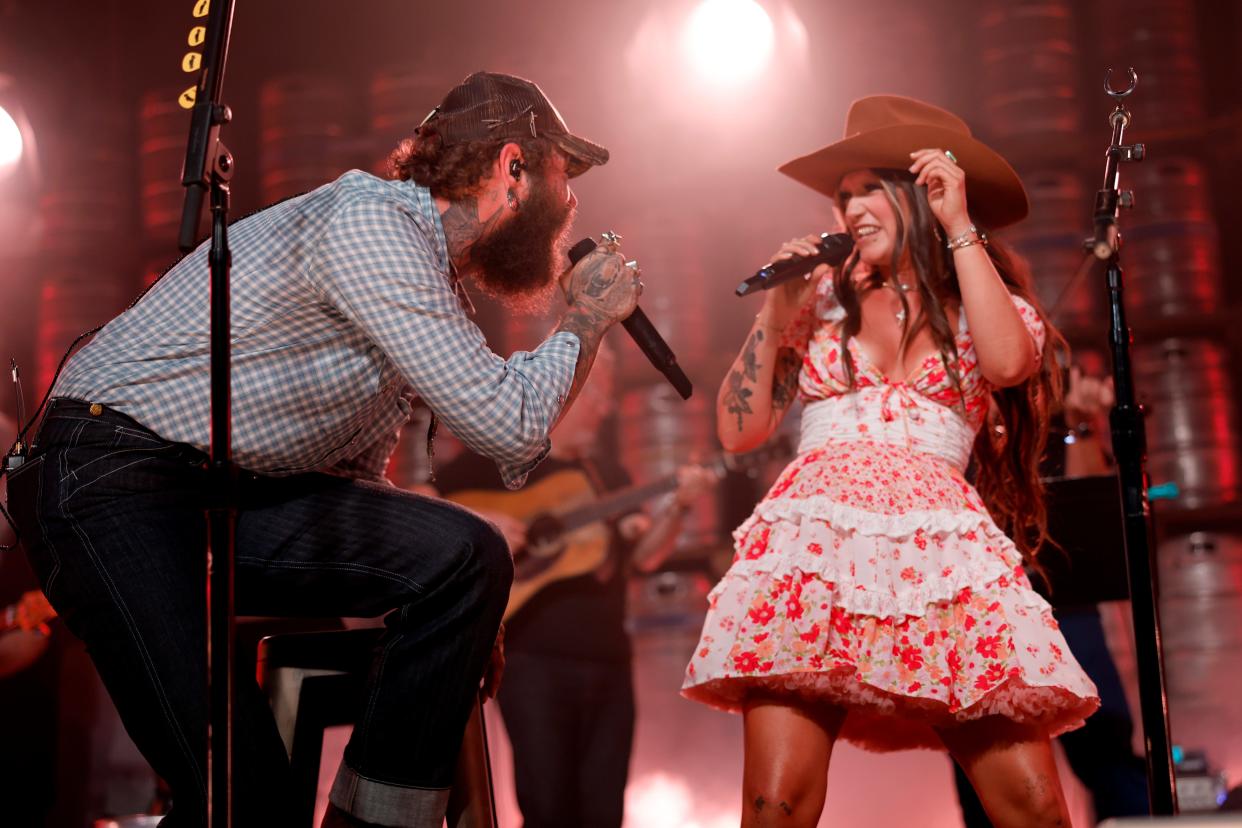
[594, 284]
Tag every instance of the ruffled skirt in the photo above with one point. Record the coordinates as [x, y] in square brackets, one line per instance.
[872, 577]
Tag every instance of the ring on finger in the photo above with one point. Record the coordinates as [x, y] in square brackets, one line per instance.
[949, 154]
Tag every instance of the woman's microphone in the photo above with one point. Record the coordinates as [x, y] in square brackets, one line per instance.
[645, 335]
[833, 248]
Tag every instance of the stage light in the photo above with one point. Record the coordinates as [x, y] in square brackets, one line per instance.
[20, 177]
[11, 143]
[16, 138]
[729, 41]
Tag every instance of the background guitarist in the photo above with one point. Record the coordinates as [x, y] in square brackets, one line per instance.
[567, 696]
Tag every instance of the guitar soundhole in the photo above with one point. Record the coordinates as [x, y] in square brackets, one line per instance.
[543, 547]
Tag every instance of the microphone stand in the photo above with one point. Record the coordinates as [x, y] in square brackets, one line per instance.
[1130, 448]
[209, 168]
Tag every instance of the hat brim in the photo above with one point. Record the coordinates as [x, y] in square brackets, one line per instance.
[580, 153]
[994, 192]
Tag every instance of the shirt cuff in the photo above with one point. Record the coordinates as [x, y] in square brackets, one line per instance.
[561, 352]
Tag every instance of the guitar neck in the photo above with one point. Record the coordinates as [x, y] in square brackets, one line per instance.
[620, 502]
[617, 503]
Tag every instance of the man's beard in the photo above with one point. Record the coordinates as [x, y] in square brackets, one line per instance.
[518, 262]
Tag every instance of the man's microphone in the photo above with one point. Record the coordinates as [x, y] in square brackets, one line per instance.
[833, 248]
[645, 335]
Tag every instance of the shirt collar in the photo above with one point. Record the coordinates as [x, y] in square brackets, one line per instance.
[422, 200]
[426, 205]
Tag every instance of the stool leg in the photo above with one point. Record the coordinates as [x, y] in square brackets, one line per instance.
[472, 800]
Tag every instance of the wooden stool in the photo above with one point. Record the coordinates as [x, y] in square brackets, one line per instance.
[315, 680]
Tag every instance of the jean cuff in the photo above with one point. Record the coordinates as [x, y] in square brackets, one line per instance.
[384, 803]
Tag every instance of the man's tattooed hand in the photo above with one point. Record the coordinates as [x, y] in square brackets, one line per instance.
[602, 285]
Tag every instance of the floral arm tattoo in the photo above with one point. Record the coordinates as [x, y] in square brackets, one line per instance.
[737, 395]
[785, 378]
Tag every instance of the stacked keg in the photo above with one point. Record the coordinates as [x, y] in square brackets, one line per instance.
[1031, 111]
[1184, 380]
[303, 129]
[1201, 620]
[661, 432]
[671, 249]
[1183, 372]
[1051, 242]
[1159, 39]
[163, 129]
[399, 100]
[86, 212]
[1173, 276]
[1030, 70]
[1171, 245]
[1186, 384]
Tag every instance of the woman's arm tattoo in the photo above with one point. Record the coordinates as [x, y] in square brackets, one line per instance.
[785, 377]
[737, 395]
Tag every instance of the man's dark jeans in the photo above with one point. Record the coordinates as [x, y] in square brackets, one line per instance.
[111, 518]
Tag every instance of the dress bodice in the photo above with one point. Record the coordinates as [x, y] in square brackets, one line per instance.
[928, 410]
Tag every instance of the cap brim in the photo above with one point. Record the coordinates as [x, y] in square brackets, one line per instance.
[994, 192]
[581, 153]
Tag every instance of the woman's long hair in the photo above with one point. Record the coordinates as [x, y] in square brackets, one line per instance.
[1009, 447]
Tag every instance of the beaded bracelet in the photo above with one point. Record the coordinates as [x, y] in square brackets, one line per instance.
[962, 240]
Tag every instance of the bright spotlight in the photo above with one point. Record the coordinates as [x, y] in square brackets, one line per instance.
[729, 40]
[11, 143]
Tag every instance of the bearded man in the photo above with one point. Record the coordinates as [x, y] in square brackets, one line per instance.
[346, 306]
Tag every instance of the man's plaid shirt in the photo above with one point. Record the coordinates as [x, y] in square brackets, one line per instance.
[343, 311]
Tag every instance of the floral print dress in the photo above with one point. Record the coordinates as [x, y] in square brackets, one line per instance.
[871, 575]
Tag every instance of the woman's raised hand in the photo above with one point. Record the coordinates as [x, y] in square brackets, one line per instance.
[946, 188]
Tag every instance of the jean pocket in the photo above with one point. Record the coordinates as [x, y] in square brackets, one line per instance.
[123, 435]
[25, 485]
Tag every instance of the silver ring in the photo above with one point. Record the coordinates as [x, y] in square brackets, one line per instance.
[949, 154]
[610, 237]
[633, 265]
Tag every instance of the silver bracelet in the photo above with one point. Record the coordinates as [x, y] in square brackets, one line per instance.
[963, 241]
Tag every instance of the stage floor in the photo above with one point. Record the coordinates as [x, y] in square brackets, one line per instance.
[687, 763]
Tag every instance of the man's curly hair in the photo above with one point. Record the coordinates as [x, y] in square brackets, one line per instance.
[456, 171]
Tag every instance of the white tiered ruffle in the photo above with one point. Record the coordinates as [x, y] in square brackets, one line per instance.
[874, 573]
[873, 578]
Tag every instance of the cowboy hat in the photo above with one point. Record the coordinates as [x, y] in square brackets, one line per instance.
[880, 133]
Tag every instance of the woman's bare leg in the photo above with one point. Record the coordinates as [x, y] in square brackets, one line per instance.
[1013, 771]
[787, 747]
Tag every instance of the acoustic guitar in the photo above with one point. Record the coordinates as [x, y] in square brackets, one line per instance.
[567, 522]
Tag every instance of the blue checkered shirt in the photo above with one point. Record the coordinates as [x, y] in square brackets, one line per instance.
[343, 312]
